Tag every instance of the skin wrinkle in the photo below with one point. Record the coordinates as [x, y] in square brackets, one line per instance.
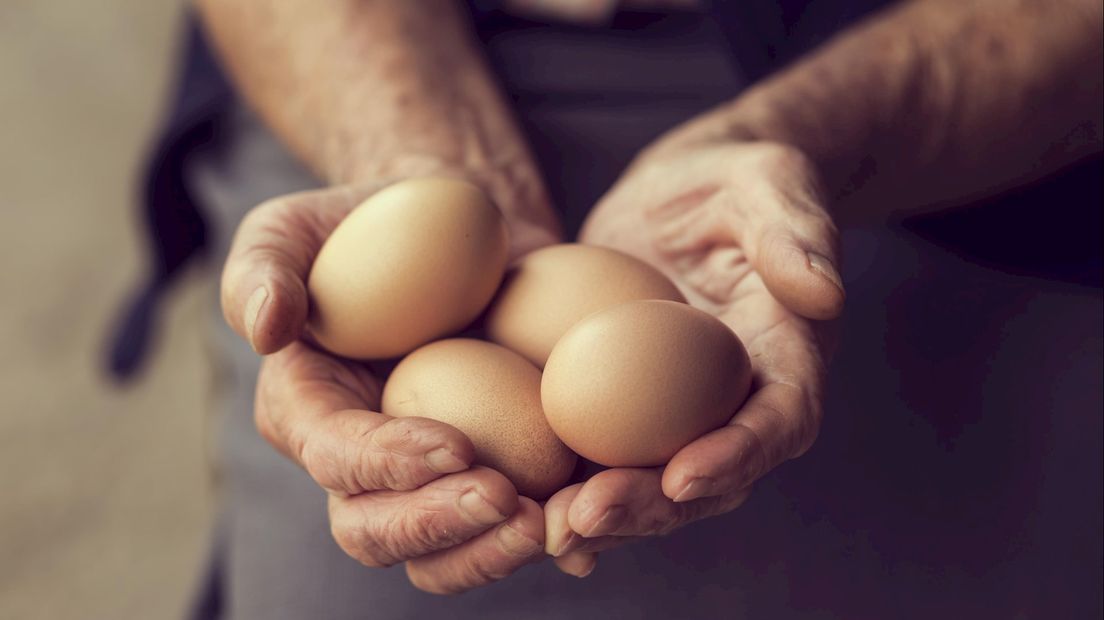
[269, 248]
[747, 473]
[436, 572]
[408, 433]
[320, 462]
[372, 534]
[895, 95]
[354, 539]
[431, 525]
[352, 464]
[311, 449]
[800, 435]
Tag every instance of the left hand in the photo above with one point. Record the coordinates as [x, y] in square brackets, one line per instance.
[400, 490]
[741, 229]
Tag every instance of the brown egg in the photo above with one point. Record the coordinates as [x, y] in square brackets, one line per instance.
[493, 396]
[631, 385]
[552, 288]
[417, 261]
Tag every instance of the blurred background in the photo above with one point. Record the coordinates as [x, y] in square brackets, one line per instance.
[105, 499]
[107, 494]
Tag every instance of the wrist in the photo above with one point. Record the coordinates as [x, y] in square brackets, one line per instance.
[515, 186]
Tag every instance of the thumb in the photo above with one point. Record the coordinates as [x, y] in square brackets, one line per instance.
[798, 263]
[263, 289]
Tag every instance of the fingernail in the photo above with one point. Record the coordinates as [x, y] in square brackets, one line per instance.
[516, 543]
[824, 267]
[480, 510]
[570, 542]
[580, 565]
[253, 309]
[442, 461]
[607, 524]
[698, 487]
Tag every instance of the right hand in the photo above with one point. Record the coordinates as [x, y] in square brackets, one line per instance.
[400, 489]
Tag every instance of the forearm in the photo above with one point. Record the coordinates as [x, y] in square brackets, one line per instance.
[934, 101]
[367, 90]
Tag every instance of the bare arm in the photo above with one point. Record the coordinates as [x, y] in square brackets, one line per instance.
[933, 101]
[363, 90]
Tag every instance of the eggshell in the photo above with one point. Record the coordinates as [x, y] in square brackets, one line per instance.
[552, 288]
[631, 385]
[493, 396]
[417, 261]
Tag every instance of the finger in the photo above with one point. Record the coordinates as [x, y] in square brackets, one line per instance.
[559, 537]
[320, 411]
[263, 289]
[800, 275]
[491, 556]
[779, 422]
[578, 564]
[630, 502]
[789, 238]
[599, 544]
[387, 527]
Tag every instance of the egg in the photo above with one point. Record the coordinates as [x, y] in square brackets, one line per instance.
[418, 260]
[631, 385]
[493, 396]
[552, 288]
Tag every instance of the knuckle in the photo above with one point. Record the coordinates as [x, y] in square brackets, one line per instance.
[270, 234]
[360, 543]
[393, 452]
[408, 436]
[361, 470]
[426, 528]
[399, 434]
[478, 569]
[389, 472]
[321, 462]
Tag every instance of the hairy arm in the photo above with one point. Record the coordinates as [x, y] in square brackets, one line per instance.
[362, 90]
[933, 102]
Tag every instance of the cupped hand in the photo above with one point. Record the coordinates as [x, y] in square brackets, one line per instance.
[400, 490]
[742, 230]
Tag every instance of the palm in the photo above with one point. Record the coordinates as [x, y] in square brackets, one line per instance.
[695, 240]
[712, 270]
[739, 229]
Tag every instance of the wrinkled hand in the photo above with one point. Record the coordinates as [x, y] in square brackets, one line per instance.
[399, 489]
[741, 229]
